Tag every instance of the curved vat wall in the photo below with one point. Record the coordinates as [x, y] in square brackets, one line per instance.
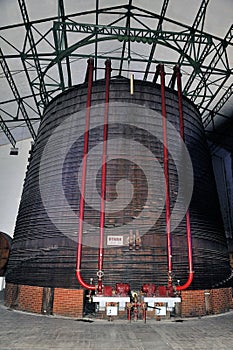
[45, 239]
[5, 247]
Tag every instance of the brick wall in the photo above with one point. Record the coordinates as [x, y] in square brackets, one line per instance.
[204, 302]
[193, 303]
[68, 302]
[221, 300]
[11, 295]
[25, 298]
[30, 298]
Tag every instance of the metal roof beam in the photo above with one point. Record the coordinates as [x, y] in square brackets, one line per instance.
[29, 35]
[219, 56]
[7, 132]
[126, 33]
[55, 18]
[199, 19]
[208, 118]
[96, 39]
[64, 39]
[13, 99]
[58, 46]
[16, 94]
[159, 27]
[144, 13]
[110, 30]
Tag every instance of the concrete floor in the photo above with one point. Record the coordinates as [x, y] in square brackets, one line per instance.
[24, 331]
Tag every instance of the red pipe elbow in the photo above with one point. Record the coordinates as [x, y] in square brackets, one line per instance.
[82, 283]
[188, 282]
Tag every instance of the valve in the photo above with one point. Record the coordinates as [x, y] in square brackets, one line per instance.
[135, 306]
[134, 240]
[131, 239]
[149, 289]
[100, 274]
[100, 284]
[129, 307]
[122, 289]
[137, 240]
[144, 309]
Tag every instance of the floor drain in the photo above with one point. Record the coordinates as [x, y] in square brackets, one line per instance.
[84, 320]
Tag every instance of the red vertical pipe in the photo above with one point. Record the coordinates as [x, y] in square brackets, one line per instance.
[103, 176]
[83, 184]
[188, 226]
[129, 313]
[166, 174]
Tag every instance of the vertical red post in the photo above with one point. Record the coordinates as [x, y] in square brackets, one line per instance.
[166, 174]
[83, 184]
[144, 313]
[129, 313]
[103, 176]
